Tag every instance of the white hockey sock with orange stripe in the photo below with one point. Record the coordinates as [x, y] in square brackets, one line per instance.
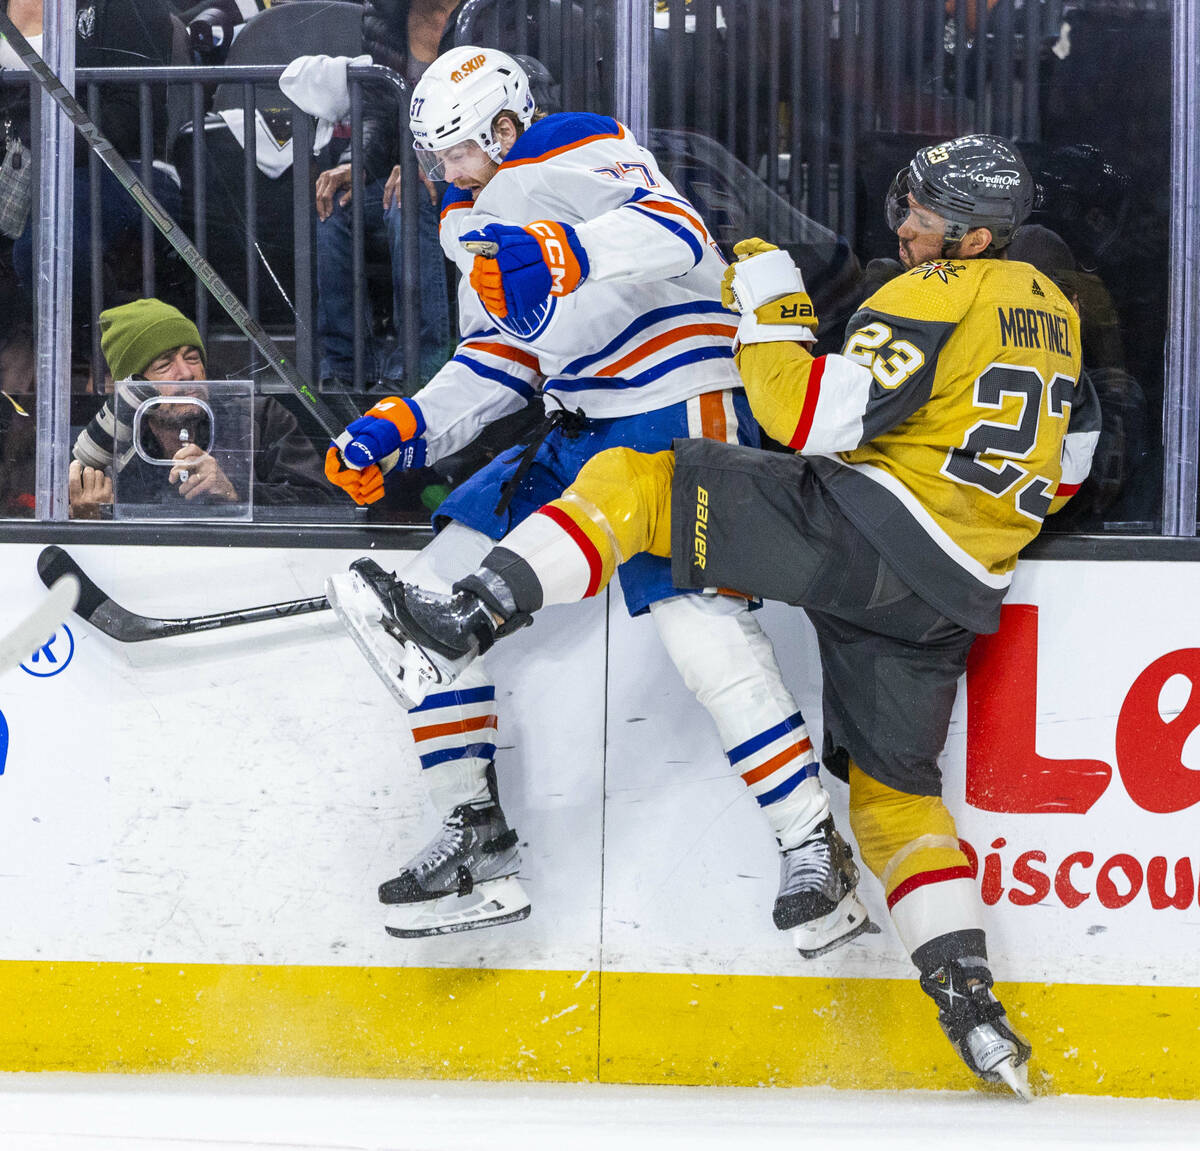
[454, 731]
[455, 735]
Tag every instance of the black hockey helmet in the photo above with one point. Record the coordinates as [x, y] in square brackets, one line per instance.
[974, 181]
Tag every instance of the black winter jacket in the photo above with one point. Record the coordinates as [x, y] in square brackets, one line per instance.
[111, 34]
[385, 39]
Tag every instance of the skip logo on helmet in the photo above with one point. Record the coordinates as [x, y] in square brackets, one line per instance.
[475, 62]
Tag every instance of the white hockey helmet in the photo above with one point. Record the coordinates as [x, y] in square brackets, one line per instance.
[457, 99]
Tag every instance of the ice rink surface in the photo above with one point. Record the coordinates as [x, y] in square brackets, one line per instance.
[63, 1112]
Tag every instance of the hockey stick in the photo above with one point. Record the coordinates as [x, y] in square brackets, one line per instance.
[42, 623]
[128, 627]
[175, 235]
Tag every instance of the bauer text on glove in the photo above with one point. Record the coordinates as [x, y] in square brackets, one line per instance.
[531, 264]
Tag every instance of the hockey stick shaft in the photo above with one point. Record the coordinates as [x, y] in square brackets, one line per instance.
[109, 617]
[174, 234]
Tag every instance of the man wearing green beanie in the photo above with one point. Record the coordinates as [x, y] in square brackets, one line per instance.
[148, 342]
[136, 337]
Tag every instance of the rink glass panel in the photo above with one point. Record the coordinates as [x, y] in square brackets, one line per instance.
[778, 119]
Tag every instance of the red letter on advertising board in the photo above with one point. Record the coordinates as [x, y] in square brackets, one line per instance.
[1156, 883]
[1066, 891]
[1037, 881]
[1004, 771]
[1149, 748]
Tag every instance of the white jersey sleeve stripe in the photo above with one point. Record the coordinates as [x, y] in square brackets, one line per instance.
[1077, 451]
[844, 389]
[503, 352]
[506, 379]
[462, 398]
[675, 228]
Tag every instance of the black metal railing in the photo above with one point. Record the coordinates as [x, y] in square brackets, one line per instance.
[812, 105]
[255, 272]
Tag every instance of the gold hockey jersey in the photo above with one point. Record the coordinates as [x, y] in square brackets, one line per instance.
[953, 421]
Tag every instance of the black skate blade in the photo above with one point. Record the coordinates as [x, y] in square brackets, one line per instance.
[454, 928]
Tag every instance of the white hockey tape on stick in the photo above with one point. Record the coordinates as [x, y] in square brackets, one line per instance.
[33, 631]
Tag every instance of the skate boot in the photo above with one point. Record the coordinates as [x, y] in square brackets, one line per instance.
[414, 639]
[463, 879]
[816, 897]
[974, 1022]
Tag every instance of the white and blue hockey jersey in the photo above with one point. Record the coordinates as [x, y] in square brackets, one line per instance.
[645, 329]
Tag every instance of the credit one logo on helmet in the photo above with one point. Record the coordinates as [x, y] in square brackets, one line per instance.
[999, 179]
[472, 65]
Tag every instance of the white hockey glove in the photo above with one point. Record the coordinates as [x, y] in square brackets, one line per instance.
[768, 290]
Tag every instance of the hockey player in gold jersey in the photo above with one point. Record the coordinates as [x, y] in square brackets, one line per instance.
[925, 457]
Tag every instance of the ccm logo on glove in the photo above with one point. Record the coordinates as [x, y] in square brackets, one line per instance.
[566, 272]
[528, 266]
[388, 436]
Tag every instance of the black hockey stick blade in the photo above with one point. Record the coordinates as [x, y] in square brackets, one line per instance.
[174, 234]
[109, 617]
[54, 563]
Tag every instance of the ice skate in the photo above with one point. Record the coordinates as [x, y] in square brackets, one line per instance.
[816, 899]
[415, 640]
[465, 878]
[975, 1023]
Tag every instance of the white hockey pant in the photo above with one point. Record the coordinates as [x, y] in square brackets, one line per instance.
[728, 662]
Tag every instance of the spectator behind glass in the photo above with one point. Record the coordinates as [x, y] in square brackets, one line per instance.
[152, 341]
[1119, 452]
[108, 34]
[406, 36]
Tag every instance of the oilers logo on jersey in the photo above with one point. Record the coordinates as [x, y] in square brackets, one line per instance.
[529, 327]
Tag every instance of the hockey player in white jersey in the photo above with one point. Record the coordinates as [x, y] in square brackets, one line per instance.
[589, 279]
[926, 455]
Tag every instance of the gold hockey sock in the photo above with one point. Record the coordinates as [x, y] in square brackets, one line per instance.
[910, 843]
